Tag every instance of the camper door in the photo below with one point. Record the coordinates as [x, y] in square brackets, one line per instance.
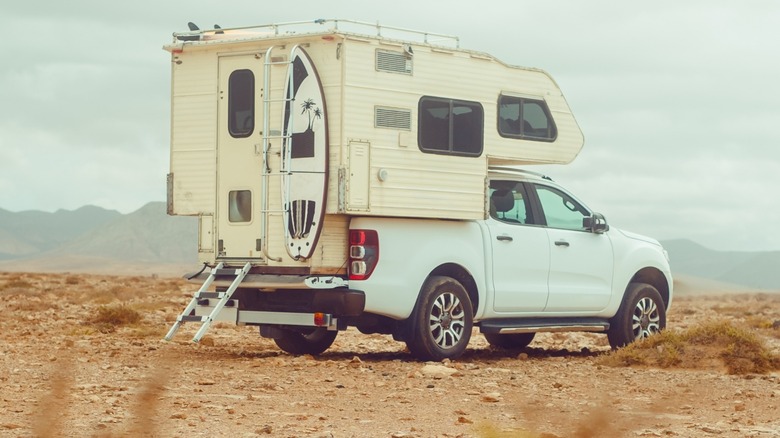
[239, 159]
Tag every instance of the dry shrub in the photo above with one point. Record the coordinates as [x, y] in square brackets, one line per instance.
[17, 284]
[34, 305]
[714, 343]
[108, 318]
[148, 332]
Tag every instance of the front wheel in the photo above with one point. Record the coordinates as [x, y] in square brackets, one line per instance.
[642, 314]
[314, 342]
[442, 321]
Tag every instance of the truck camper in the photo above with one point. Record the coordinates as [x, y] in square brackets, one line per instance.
[295, 143]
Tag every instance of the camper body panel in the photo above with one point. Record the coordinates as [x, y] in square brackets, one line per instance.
[193, 134]
[373, 89]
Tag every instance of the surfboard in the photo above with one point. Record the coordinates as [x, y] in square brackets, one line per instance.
[304, 156]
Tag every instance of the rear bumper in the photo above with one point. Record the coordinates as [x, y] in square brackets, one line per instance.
[268, 282]
[320, 308]
[341, 302]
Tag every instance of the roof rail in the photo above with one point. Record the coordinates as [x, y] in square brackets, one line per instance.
[518, 170]
[348, 26]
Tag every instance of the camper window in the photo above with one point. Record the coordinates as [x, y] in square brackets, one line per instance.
[240, 206]
[241, 103]
[524, 118]
[448, 126]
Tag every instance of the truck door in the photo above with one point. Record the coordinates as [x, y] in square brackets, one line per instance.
[581, 262]
[239, 158]
[521, 251]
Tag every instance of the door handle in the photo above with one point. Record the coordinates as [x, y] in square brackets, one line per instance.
[504, 238]
[561, 243]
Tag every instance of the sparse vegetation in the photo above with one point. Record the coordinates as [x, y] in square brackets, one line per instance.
[714, 343]
[110, 374]
[108, 318]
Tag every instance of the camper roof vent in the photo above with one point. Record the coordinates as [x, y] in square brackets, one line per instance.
[393, 118]
[393, 62]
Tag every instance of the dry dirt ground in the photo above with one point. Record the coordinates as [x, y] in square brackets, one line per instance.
[63, 376]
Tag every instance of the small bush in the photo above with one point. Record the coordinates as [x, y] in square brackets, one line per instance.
[740, 350]
[108, 318]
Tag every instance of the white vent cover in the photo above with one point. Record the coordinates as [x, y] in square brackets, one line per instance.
[393, 118]
[393, 62]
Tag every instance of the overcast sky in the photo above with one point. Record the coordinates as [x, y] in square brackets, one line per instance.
[678, 100]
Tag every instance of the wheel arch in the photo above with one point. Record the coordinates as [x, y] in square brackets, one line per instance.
[464, 277]
[655, 278]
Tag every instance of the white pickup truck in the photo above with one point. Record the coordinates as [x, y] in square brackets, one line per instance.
[541, 262]
[344, 176]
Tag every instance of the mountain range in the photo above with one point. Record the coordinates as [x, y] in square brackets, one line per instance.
[148, 241]
[95, 240]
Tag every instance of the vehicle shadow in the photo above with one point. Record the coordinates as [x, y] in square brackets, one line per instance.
[488, 354]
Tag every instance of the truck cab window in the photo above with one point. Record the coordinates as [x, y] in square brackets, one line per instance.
[560, 210]
[524, 118]
[508, 202]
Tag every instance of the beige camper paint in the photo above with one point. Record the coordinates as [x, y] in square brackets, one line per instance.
[374, 170]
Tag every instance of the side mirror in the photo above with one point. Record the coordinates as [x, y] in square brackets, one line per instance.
[595, 223]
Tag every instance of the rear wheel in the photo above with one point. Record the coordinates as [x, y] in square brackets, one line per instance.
[513, 341]
[314, 342]
[642, 314]
[442, 321]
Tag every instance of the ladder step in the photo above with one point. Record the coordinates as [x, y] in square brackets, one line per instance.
[207, 302]
[192, 318]
[212, 295]
[222, 272]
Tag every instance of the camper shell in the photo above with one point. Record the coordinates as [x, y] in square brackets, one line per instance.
[410, 121]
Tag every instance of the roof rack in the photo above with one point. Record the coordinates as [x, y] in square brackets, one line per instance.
[518, 170]
[350, 26]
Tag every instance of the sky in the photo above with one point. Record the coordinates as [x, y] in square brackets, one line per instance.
[678, 101]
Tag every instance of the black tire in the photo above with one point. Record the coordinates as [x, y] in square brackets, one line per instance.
[314, 342]
[513, 341]
[642, 314]
[442, 320]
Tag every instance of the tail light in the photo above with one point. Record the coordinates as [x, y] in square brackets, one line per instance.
[363, 253]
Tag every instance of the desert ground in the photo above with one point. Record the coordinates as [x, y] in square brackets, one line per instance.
[81, 355]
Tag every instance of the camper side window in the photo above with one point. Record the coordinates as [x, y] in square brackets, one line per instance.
[241, 103]
[529, 119]
[448, 126]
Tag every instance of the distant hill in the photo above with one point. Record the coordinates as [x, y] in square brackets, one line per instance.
[95, 240]
[759, 270]
[31, 232]
[92, 239]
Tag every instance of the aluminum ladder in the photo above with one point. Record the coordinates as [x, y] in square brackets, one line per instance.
[188, 315]
[269, 135]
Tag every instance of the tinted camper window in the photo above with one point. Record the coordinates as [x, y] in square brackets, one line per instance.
[241, 103]
[448, 126]
[529, 119]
